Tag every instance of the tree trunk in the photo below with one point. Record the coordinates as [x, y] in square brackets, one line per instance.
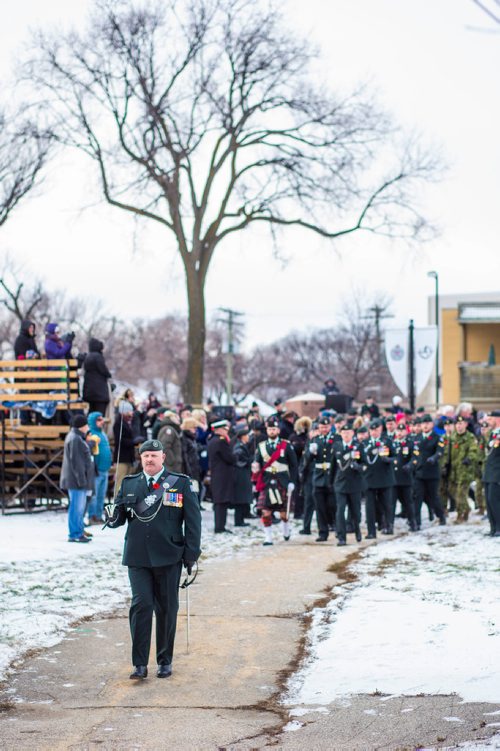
[193, 390]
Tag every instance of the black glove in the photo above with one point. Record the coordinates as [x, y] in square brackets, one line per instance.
[356, 467]
[431, 460]
[406, 467]
[466, 461]
[188, 565]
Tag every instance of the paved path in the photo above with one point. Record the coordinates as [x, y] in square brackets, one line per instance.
[248, 620]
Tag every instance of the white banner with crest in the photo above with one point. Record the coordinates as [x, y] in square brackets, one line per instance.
[425, 340]
[396, 354]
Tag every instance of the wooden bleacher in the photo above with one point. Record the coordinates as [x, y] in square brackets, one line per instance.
[32, 454]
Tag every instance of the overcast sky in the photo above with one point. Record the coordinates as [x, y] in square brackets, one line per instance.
[434, 70]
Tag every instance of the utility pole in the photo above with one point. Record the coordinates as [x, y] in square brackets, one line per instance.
[231, 322]
[378, 313]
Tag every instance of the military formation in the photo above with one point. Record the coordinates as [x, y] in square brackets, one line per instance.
[421, 462]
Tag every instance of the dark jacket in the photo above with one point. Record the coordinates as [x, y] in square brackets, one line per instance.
[190, 459]
[403, 461]
[124, 441]
[427, 450]
[243, 454]
[349, 467]
[221, 462]
[25, 345]
[379, 469]
[95, 374]
[492, 464]
[170, 437]
[77, 471]
[175, 532]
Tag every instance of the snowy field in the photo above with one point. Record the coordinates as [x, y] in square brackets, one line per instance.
[46, 584]
[423, 617]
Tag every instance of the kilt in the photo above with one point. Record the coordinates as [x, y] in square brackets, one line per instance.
[273, 497]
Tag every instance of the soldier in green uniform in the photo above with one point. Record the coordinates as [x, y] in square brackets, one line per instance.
[322, 452]
[164, 532]
[463, 467]
[427, 451]
[349, 464]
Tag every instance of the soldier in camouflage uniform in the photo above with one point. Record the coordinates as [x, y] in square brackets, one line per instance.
[464, 455]
[445, 466]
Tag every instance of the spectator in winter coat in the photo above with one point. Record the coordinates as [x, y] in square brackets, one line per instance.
[25, 349]
[55, 347]
[25, 345]
[170, 437]
[102, 463]
[125, 443]
[243, 491]
[190, 458]
[125, 403]
[77, 477]
[95, 378]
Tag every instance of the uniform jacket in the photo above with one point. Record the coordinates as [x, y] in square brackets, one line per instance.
[284, 469]
[221, 462]
[77, 471]
[379, 469]
[403, 461]
[170, 437]
[492, 463]
[464, 455]
[95, 374]
[323, 462]
[173, 535]
[427, 450]
[349, 465]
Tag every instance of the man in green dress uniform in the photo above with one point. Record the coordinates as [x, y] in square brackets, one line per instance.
[164, 532]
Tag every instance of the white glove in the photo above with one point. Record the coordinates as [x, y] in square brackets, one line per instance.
[313, 448]
[255, 467]
[291, 487]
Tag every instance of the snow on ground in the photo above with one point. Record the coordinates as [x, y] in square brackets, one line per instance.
[47, 583]
[422, 617]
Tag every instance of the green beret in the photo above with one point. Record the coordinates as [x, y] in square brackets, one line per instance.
[151, 446]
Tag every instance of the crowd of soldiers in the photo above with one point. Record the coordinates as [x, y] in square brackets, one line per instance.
[325, 469]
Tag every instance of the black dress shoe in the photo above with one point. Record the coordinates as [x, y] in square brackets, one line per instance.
[370, 537]
[243, 524]
[164, 671]
[140, 671]
[321, 539]
[358, 535]
[442, 522]
[304, 532]
[341, 542]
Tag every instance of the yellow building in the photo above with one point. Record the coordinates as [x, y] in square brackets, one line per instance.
[469, 344]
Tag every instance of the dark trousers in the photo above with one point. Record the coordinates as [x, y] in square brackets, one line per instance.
[98, 407]
[324, 502]
[493, 505]
[428, 491]
[404, 494]
[220, 516]
[308, 506]
[239, 514]
[353, 502]
[154, 589]
[379, 505]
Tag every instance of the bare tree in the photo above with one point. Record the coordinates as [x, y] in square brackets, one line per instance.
[201, 116]
[23, 152]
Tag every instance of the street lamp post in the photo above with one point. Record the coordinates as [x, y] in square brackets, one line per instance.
[434, 275]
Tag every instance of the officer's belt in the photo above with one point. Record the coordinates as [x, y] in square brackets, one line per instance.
[323, 465]
[277, 467]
